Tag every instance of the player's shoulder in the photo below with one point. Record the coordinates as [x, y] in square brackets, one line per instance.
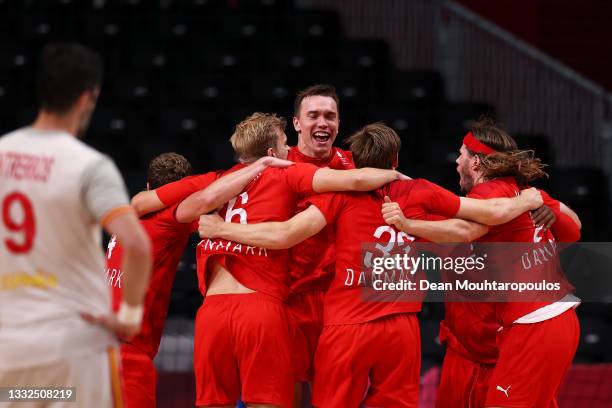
[52, 143]
[499, 187]
[410, 189]
[10, 137]
[80, 147]
[342, 154]
[292, 153]
[406, 186]
[295, 167]
[158, 219]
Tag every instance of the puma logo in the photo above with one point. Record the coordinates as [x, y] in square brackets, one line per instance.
[504, 391]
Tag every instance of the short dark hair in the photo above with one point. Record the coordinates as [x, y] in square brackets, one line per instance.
[375, 145]
[166, 168]
[315, 90]
[65, 71]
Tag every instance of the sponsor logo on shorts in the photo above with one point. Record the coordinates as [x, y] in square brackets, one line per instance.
[505, 391]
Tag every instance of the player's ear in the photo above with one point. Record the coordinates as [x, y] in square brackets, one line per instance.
[83, 100]
[476, 162]
[271, 152]
[296, 124]
[148, 186]
[395, 162]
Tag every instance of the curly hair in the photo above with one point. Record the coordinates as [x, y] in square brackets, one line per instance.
[166, 168]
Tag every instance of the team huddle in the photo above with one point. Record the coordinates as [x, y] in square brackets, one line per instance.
[280, 265]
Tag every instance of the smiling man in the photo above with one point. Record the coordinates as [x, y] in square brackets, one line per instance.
[316, 121]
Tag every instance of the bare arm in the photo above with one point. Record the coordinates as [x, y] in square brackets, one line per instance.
[270, 235]
[496, 211]
[147, 202]
[136, 262]
[453, 230]
[364, 179]
[223, 189]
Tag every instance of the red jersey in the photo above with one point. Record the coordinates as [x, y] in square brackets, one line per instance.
[358, 219]
[177, 191]
[520, 229]
[169, 238]
[312, 261]
[471, 328]
[272, 196]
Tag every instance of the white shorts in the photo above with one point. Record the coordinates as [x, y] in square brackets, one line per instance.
[95, 378]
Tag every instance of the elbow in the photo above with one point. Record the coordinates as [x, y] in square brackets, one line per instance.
[579, 225]
[282, 240]
[136, 204]
[144, 248]
[205, 204]
[359, 183]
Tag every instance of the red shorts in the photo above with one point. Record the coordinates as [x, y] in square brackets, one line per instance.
[241, 350]
[463, 383]
[533, 360]
[306, 315]
[139, 378]
[374, 364]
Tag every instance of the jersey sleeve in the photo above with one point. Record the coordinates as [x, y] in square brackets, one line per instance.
[439, 200]
[177, 191]
[103, 191]
[564, 229]
[299, 177]
[166, 220]
[330, 205]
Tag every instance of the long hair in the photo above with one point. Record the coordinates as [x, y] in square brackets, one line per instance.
[509, 160]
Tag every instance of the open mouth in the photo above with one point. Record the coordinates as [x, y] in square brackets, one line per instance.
[321, 137]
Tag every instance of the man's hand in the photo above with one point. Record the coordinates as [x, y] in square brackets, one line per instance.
[209, 225]
[393, 214]
[543, 216]
[532, 197]
[275, 162]
[110, 322]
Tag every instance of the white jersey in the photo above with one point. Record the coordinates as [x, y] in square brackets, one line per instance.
[55, 191]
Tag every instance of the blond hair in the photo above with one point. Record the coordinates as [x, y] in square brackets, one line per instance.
[256, 134]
